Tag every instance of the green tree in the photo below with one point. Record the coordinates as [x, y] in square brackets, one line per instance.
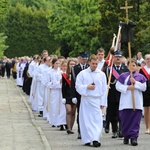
[4, 8]
[34, 4]
[112, 15]
[75, 25]
[142, 40]
[28, 32]
[3, 47]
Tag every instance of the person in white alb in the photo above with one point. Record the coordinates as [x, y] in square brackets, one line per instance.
[139, 58]
[20, 67]
[93, 91]
[34, 88]
[100, 55]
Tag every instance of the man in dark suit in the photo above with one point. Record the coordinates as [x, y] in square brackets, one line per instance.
[75, 70]
[112, 115]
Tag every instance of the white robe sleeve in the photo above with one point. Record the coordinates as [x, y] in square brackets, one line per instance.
[38, 74]
[34, 87]
[140, 86]
[46, 80]
[31, 69]
[103, 101]
[80, 87]
[56, 81]
[121, 88]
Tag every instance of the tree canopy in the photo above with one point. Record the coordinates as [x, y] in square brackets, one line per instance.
[70, 26]
[27, 31]
[75, 25]
[3, 47]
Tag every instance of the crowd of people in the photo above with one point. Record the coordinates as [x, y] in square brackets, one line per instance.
[60, 87]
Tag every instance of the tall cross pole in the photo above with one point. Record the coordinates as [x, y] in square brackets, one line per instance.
[126, 7]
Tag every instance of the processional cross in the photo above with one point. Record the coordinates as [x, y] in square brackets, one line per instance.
[126, 7]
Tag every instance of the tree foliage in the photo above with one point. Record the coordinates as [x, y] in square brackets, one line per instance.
[3, 47]
[4, 8]
[27, 31]
[112, 14]
[75, 25]
[34, 4]
[70, 26]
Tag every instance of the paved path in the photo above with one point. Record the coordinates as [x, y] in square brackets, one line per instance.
[17, 128]
[58, 140]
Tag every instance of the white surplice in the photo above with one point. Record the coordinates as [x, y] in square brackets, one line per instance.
[46, 82]
[20, 67]
[101, 64]
[40, 92]
[57, 111]
[34, 88]
[126, 95]
[90, 114]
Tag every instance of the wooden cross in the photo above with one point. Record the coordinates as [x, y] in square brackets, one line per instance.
[126, 8]
[129, 49]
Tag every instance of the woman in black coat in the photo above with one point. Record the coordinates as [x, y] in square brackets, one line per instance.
[67, 99]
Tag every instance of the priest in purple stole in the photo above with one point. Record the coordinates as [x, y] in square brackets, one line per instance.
[130, 119]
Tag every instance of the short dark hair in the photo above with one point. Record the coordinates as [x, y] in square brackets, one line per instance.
[101, 50]
[53, 61]
[133, 61]
[93, 57]
[35, 56]
[45, 58]
[44, 51]
[61, 57]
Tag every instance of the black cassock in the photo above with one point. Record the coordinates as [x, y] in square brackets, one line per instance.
[27, 80]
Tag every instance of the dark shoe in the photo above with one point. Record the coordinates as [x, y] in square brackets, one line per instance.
[120, 135]
[62, 128]
[134, 142]
[79, 136]
[70, 132]
[53, 126]
[125, 141]
[114, 135]
[87, 144]
[41, 114]
[106, 130]
[96, 144]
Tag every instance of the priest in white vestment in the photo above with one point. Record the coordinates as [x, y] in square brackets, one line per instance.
[91, 84]
[20, 67]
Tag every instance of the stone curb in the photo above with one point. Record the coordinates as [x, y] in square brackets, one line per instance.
[42, 135]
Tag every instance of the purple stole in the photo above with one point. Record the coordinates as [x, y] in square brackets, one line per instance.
[137, 76]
